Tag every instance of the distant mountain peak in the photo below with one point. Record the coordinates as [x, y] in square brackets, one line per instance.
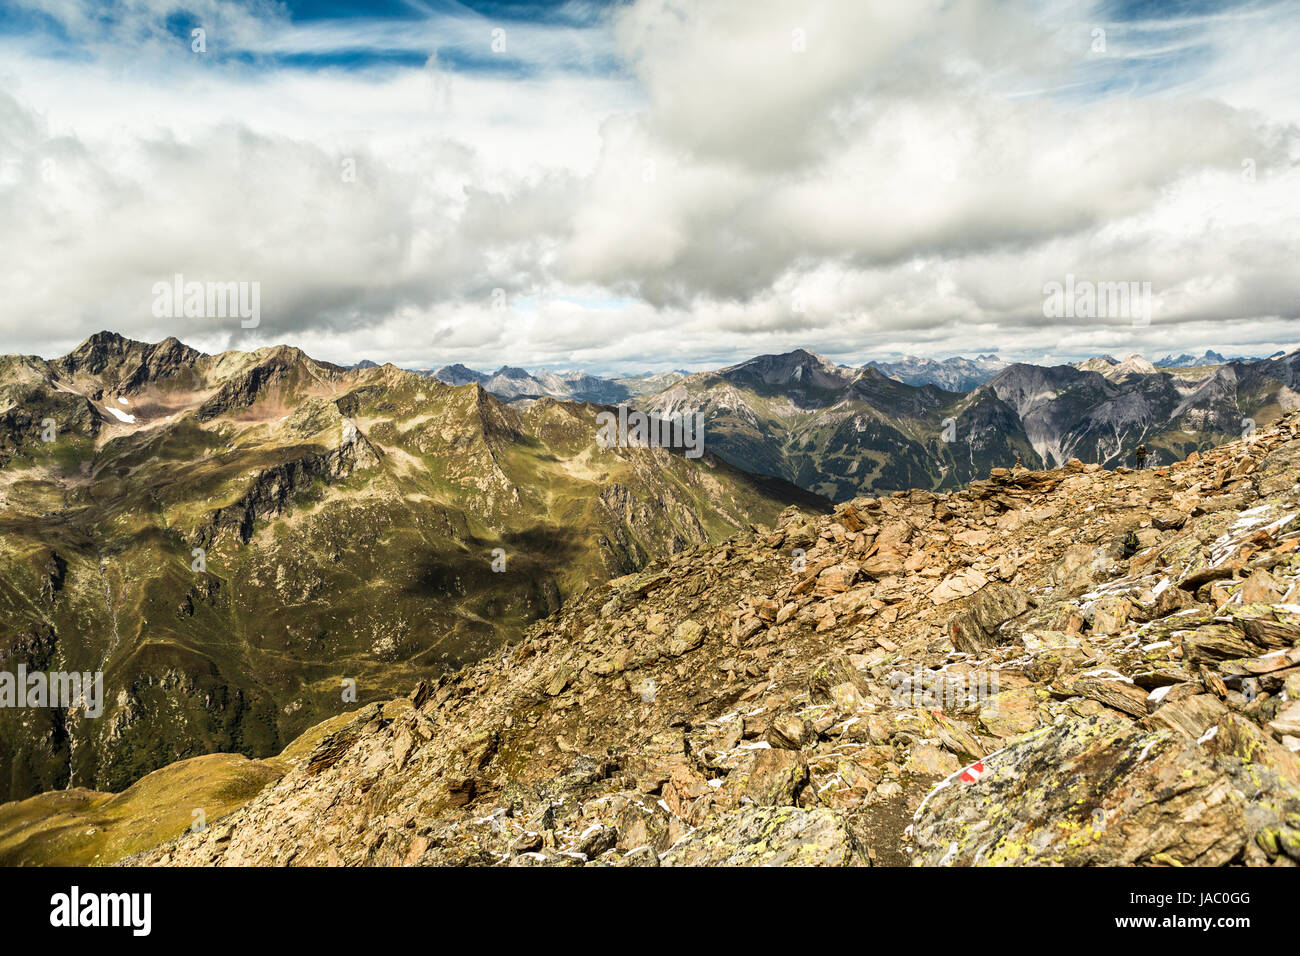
[459, 375]
[1133, 364]
[799, 368]
[955, 374]
[1191, 361]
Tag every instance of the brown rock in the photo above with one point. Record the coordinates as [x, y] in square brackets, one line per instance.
[958, 585]
[686, 637]
[883, 564]
[929, 761]
[1171, 519]
[1111, 614]
[1113, 691]
[978, 626]
[776, 778]
[789, 732]
[1260, 588]
[837, 579]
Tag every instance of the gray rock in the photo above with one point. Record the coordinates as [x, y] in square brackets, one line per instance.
[1090, 792]
[977, 626]
[771, 836]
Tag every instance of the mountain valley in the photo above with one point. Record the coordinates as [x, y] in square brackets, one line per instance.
[232, 538]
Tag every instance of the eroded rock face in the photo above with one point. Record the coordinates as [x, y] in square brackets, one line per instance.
[748, 705]
[978, 626]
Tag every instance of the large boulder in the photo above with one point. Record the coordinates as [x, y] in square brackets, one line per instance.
[1102, 791]
[776, 778]
[977, 626]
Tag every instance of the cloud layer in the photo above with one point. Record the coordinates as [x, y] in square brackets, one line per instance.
[653, 185]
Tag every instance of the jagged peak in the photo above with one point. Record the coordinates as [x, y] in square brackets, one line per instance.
[131, 361]
[105, 342]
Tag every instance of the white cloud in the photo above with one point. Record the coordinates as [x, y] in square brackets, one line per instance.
[912, 178]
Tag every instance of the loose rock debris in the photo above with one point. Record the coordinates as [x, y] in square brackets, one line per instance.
[977, 678]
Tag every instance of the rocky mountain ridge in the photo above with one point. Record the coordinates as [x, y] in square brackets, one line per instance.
[1072, 666]
[843, 432]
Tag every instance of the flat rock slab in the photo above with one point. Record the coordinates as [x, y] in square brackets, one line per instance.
[770, 836]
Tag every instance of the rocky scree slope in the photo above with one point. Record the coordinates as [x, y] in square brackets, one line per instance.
[1072, 667]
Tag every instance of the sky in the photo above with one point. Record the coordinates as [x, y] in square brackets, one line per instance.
[653, 184]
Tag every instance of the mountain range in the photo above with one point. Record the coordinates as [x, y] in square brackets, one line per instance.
[231, 539]
[955, 374]
[513, 384]
[1065, 667]
[844, 432]
[1187, 360]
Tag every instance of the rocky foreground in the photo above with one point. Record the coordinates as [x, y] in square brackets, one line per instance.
[1063, 667]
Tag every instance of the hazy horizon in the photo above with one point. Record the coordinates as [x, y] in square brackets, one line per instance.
[710, 364]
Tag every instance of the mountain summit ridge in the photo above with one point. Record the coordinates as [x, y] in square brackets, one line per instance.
[1102, 668]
